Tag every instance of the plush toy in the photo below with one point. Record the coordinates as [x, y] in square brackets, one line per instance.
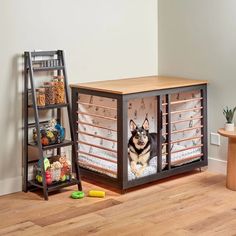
[66, 167]
[48, 177]
[50, 134]
[56, 170]
[46, 164]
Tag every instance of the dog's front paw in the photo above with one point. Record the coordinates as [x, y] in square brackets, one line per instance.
[133, 170]
[133, 167]
[138, 174]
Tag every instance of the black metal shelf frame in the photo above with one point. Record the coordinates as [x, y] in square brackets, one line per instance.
[55, 106]
[52, 146]
[30, 67]
[55, 186]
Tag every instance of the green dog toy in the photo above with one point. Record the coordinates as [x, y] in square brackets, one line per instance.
[77, 195]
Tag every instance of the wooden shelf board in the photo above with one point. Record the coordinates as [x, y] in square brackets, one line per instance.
[54, 106]
[140, 84]
[58, 145]
[54, 186]
[48, 68]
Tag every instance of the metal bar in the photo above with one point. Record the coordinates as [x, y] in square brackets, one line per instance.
[188, 148]
[59, 121]
[204, 124]
[186, 139]
[184, 110]
[51, 106]
[52, 146]
[48, 68]
[183, 101]
[40, 149]
[25, 149]
[168, 129]
[159, 133]
[96, 146]
[62, 185]
[96, 105]
[184, 120]
[122, 138]
[41, 122]
[97, 136]
[44, 53]
[47, 61]
[85, 164]
[95, 115]
[188, 129]
[96, 156]
[187, 100]
[187, 158]
[74, 97]
[69, 111]
[187, 110]
[97, 93]
[162, 92]
[97, 126]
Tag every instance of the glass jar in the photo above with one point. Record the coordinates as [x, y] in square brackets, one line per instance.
[59, 89]
[40, 97]
[49, 93]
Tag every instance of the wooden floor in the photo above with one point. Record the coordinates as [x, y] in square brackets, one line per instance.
[193, 204]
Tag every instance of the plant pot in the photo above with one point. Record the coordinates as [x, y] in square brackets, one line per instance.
[229, 126]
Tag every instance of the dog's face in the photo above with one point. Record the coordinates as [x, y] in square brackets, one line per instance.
[139, 134]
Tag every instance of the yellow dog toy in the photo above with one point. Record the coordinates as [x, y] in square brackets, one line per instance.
[96, 193]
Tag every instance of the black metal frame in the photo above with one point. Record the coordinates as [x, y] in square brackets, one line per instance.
[122, 182]
[29, 70]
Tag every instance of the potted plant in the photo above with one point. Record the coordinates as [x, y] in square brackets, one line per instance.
[229, 115]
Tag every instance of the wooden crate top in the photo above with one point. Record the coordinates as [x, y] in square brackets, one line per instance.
[139, 84]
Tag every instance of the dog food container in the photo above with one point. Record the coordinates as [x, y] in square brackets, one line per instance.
[40, 96]
[59, 89]
[49, 93]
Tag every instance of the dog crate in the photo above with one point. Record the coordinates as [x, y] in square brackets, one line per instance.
[176, 109]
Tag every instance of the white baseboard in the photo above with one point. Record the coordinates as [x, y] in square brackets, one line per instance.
[217, 165]
[10, 185]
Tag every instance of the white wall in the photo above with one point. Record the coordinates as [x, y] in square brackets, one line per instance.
[103, 40]
[197, 39]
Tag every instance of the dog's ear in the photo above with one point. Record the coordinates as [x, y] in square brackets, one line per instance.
[132, 125]
[146, 124]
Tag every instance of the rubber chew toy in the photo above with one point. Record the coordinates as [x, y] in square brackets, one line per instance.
[96, 193]
[77, 195]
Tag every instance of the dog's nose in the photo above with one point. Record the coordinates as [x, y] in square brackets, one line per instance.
[140, 142]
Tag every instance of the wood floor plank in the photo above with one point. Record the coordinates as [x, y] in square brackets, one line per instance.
[18, 229]
[72, 212]
[197, 203]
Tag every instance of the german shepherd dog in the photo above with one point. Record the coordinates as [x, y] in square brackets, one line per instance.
[142, 146]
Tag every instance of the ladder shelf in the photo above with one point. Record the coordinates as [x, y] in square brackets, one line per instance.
[53, 62]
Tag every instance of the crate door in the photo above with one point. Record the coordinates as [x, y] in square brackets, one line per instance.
[142, 130]
[183, 128]
[97, 134]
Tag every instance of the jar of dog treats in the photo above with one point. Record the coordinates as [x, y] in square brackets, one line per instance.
[59, 89]
[49, 93]
[40, 97]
